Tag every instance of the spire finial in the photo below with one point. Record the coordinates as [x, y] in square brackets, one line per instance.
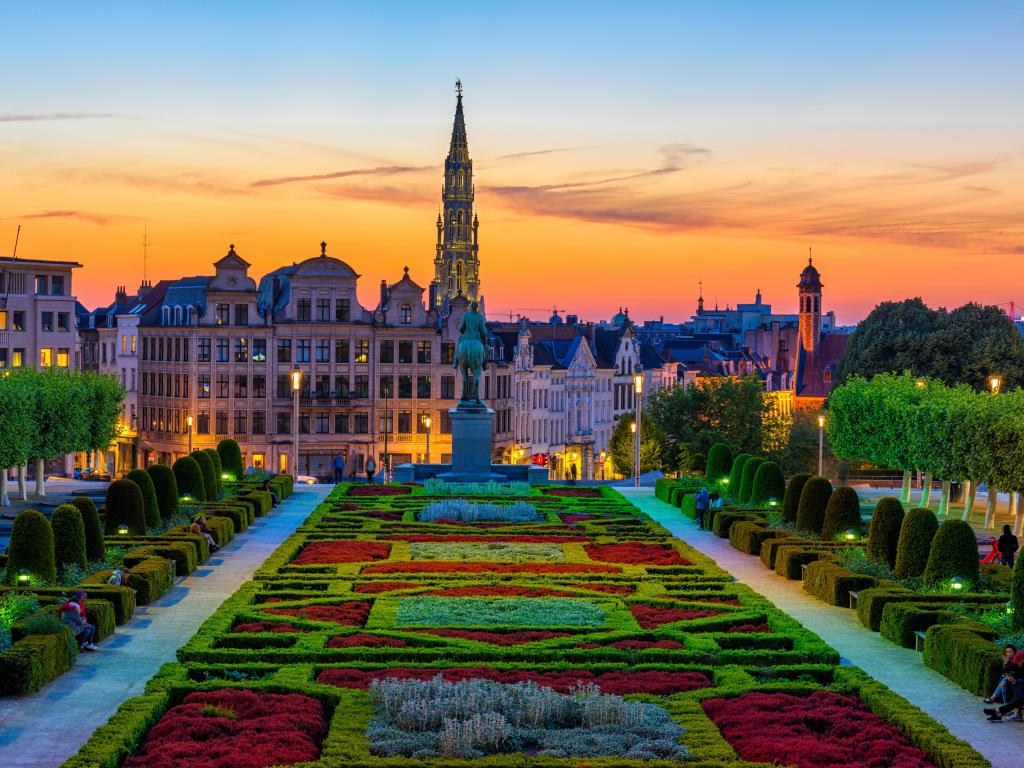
[323, 247]
[231, 248]
[458, 87]
[810, 255]
[406, 271]
[700, 289]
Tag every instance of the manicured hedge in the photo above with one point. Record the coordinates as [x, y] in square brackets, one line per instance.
[151, 579]
[736, 474]
[94, 549]
[916, 534]
[832, 583]
[719, 463]
[189, 477]
[166, 487]
[34, 661]
[953, 554]
[814, 498]
[769, 485]
[842, 514]
[231, 458]
[150, 507]
[211, 483]
[747, 478]
[31, 547]
[218, 468]
[791, 501]
[884, 533]
[68, 536]
[1017, 595]
[124, 506]
[960, 653]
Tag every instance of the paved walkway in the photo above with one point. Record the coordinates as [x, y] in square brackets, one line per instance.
[899, 668]
[43, 730]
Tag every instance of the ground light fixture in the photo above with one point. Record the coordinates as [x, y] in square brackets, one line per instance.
[1009, 607]
[772, 502]
[850, 535]
[186, 498]
[24, 576]
[956, 583]
[995, 382]
[122, 529]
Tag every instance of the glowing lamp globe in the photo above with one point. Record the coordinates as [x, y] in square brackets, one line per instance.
[956, 583]
[1009, 608]
[850, 535]
[725, 481]
[24, 577]
[773, 502]
[122, 529]
[186, 497]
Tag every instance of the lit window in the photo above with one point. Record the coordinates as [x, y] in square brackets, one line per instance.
[64, 358]
[3, 320]
[406, 314]
[46, 357]
[17, 358]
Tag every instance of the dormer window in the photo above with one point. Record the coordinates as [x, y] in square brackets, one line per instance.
[406, 312]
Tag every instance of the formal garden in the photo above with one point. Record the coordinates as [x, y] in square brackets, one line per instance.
[506, 625]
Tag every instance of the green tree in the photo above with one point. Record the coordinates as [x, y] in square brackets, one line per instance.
[814, 499]
[719, 463]
[124, 506]
[1017, 595]
[149, 503]
[953, 553]
[842, 514]
[621, 447]
[68, 536]
[916, 534]
[94, 549]
[801, 452]
[768, 484]
[231, 458]
[31, 547]
[166, 488]
[103, 398]
[884, 533]
[16, 415]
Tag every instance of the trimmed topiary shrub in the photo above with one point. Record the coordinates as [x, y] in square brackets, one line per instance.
[791, 501]
[209, 473]
[842, 514]
[916, 534]
[166, 488]
[1017, 595]
[719, 463]
[68, 536]
[150, 508]
[810, 514]
[884, 533]
[747, 478]
[218, 469]
[736, 474]
[94, 549]
[231, 458]
[768, 484]
[31, 547]
[954, 553]
[125, 507]
[190, 478]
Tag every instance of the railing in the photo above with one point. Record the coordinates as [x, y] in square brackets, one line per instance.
[317, 401]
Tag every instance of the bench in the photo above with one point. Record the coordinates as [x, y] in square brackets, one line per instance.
[853, 600]
[919, 640]
[803, 571]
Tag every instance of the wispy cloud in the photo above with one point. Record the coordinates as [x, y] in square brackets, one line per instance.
[534, 153]
[56, 116]
[392, 195]
[381, 170]
[93, 218]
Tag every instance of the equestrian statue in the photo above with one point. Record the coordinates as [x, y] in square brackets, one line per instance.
[471, 356]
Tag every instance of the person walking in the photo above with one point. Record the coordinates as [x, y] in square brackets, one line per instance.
[339, 468]
[702, 500]
[572, 474]
[371, 469]
[1008, 546]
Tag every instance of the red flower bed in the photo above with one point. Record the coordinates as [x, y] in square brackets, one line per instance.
[347, 506]
[329, 552]
[705, 599]
[265, 626]
[465, 537]
[571, 518]
[379, 490]
[651, 616]
[610, 589]
[750, 628]
[635, 553]
[823, 730]
[383, 514]
[362, 640]
[635, 645]
[574, 493]
[349, 614]
[440, 566]
[376, 587]
[653, 681]
[234, 728]
[498, 638]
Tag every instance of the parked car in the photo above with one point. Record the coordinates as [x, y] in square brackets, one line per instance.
[91, 474]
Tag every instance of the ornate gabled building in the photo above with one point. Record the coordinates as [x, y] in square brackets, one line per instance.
[457, 260]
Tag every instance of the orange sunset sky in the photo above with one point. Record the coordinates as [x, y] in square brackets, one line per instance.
[622, 154]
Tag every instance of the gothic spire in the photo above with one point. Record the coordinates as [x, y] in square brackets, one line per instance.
[459, 150]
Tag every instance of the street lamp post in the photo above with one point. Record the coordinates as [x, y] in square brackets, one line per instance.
[296, 385]
[995, 383]
[821, 443]
[188, 421]
[387, 395]
[426, 423]
[604, 457]
[638, 388]
[632, 429]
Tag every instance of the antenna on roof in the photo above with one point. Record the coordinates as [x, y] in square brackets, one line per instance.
[17, 236]
[145, 247]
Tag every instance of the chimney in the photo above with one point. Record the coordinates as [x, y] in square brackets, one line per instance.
[121, 296]
[383, 293]
[144, 287]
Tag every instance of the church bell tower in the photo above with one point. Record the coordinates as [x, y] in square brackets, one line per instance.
[810, 306]
[456, 262]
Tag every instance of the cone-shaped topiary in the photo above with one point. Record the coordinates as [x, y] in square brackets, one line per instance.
[953, 554]
[189, 478]
[747, 479]
[231, 458]
[884, 533]
[916, 534]
[150, 507]
[94, 549]
[68, 536]
[31, 547]
[166, 488]
[125, 507]
[768, 484]
[736, 474]
[791, 502]
[1017, 595]
[842, 514]
[209, 473]
[218, 469]
[719, 463]
[810, 514]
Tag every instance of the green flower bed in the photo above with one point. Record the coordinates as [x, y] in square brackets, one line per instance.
[480, 612]
[499, 552]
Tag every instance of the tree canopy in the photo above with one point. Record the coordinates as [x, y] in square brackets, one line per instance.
[965, 346]
[621, 446]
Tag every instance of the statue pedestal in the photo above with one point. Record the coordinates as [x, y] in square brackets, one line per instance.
[471, 445]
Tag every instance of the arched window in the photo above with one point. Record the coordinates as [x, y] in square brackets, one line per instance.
[451, 217]
[462, 180]
[451, 179]
[177, 315]
[406, 310]
[460, 220]
[165, 313]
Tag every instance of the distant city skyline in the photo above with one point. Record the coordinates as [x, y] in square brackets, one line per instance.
[619, 165]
